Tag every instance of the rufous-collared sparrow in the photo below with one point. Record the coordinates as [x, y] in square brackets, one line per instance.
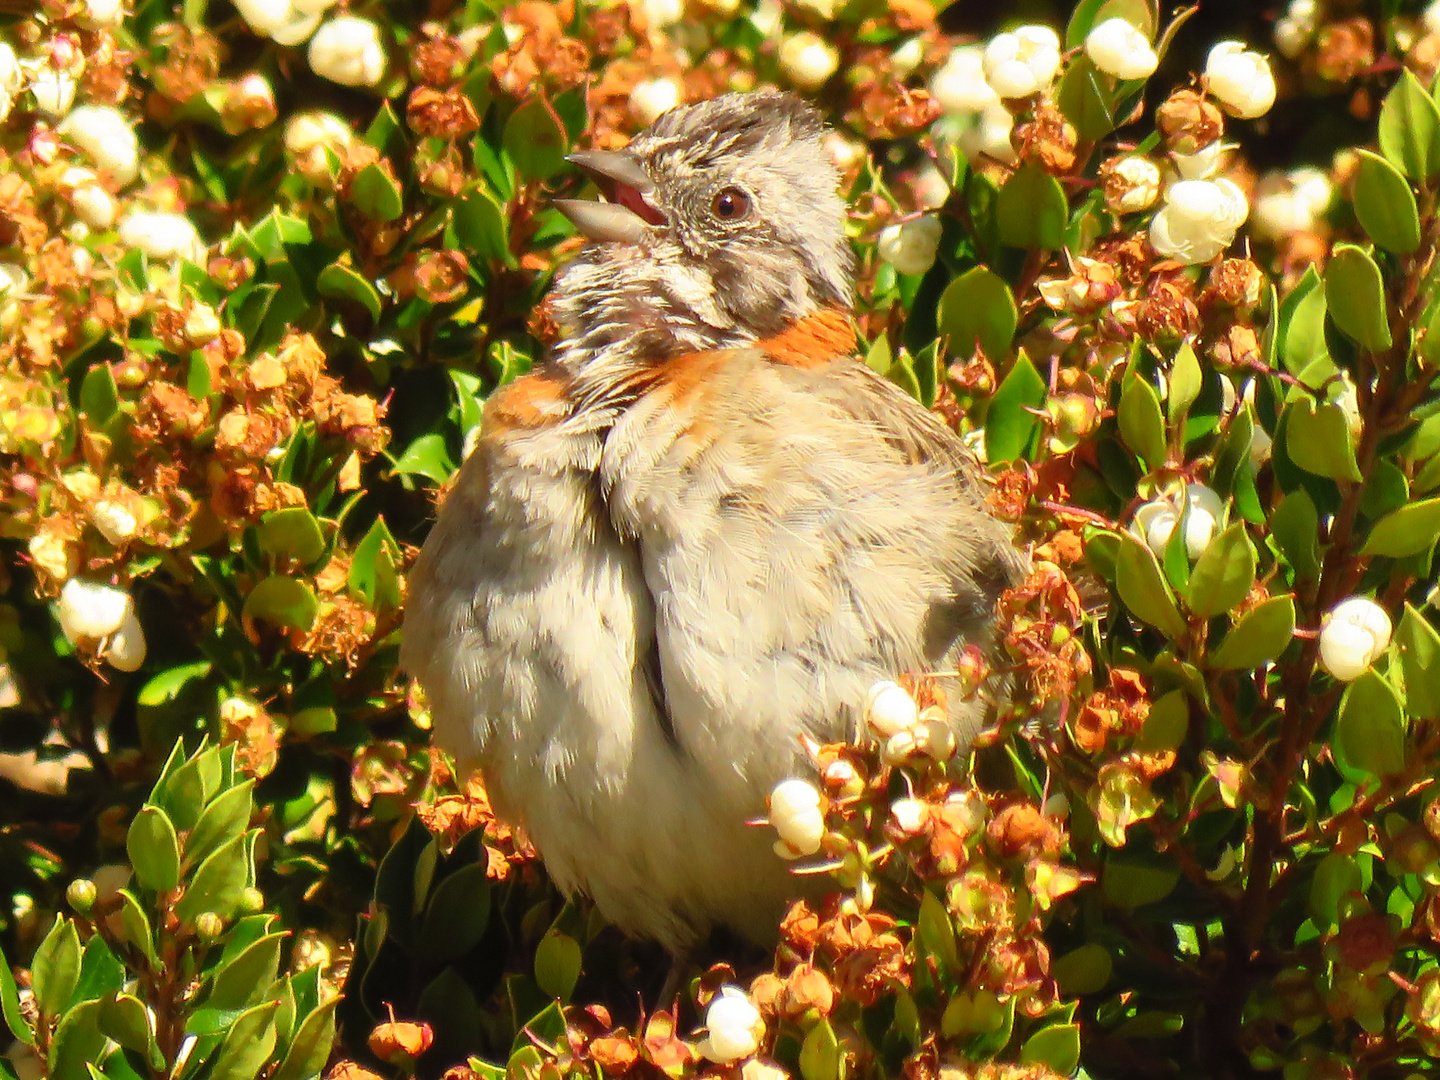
[700, 528]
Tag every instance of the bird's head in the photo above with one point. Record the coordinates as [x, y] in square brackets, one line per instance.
[723, 216]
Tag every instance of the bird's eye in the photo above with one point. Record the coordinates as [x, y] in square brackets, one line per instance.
[732, 204]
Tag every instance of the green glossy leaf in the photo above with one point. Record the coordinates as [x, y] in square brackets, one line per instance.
[1141, 424]
[220, 822]
[1336, 877]
[1166, 725]
[292, 533]
[1143, 588]
[247, 1044]
[1371, 727]
[1085, 970]
[99, 396]
[937, 932]
[1087, 99]
[427, 456]
[55, 970]
[535, 139]
[456, 916]
[1410, 129]
[154, 850]
[1185, 383]
[244, 979]
[1131, 884]
[339, 282]
[101, 973]
[1011, 431]
[1224, 573]
[1406, 531]
[218, 883]
[135, 928]
[1057, 1047]
[283, 601]
[1032, 210]
[1386, 490]
[977, 307]
[1302, 324]
[1385, 205]
[1355, 295]
[481, 227]
[820, 1056]
[77, 1041]
[1295, 528]
[168, 685]
[1319, 441]
[374, 568]
[377, 194]
[310, 1048]
[1428, 344]
[557, 964]
[10, 1004]
[1418, 644]
[1260, 636]
[124, 1019]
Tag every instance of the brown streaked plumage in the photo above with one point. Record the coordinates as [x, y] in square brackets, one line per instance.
[701, 528]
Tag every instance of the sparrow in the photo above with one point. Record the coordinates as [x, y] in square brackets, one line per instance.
[700, 529]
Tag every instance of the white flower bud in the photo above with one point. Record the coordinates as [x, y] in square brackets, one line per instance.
[347, 50]
[1291, 202]
[1156, 520]
[900, 748]
[735, 1027]
[936, 739]
[12, 78]
[161, 236]
[652, 98]
[105, 135]
[808, 60]
[966, 812]
[796, 815]
[1240, 80]
[89, 610]
[54, 91]
[908, 816]
[91, 202]
[1198, 220]
[911, 246]
[125, 651]
[662, 13]
[1022, 62]
[101, 13]
[114, 520]
[308, 135]
[1353, 636]
[202, 325]
[288, 22]
[889, 708]
[1204, 164]
[1132, 184]
[1261, 446]
[989, 135]
[1117, 48]
[959, 85]
[1291, 36]
[844, 153]
[13, 279]
[1430, 18]
[768, 17]
[907, 57]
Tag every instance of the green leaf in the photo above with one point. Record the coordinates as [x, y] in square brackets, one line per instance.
[1143, 588]
[1371, 727]
[376, 194]
[247, 1045]
[135, 928]
[1419, 647]
[1319, 441]
[310, 1048]
[99, 396]
[977, 307]
[1260, 636]
[1012, 432]
[1410, 129]
[1355, 295]
[557, 964]
[1295, 528]
[1302, 324]
[1086, 99]
[1166, 725]
[1185, 383]
[220, 822]
[481, 227]
[1224, 573]
[244, 979]
[1141, 425]
[1428, 345]
[1385, 205]
[535, 140]
[78, 1040]
[283, 601]
[1032, 209]
[456, 916]
[1057, 1047]
[1085, 970]
[339, 282]
[937, 932]
[373, 568]
[820, 1057]
[1336, 877]
[1406, 531]
[427, 456]
[292, 533]
[154, 850]
[217, 884]
[10, 1004]
[55, 971]
[1130, 884]
[169, 684]
[124, 1019]
[101, 973]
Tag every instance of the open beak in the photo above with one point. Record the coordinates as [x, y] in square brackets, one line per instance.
[627, 214]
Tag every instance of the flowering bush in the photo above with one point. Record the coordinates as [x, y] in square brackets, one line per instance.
[258, 268]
